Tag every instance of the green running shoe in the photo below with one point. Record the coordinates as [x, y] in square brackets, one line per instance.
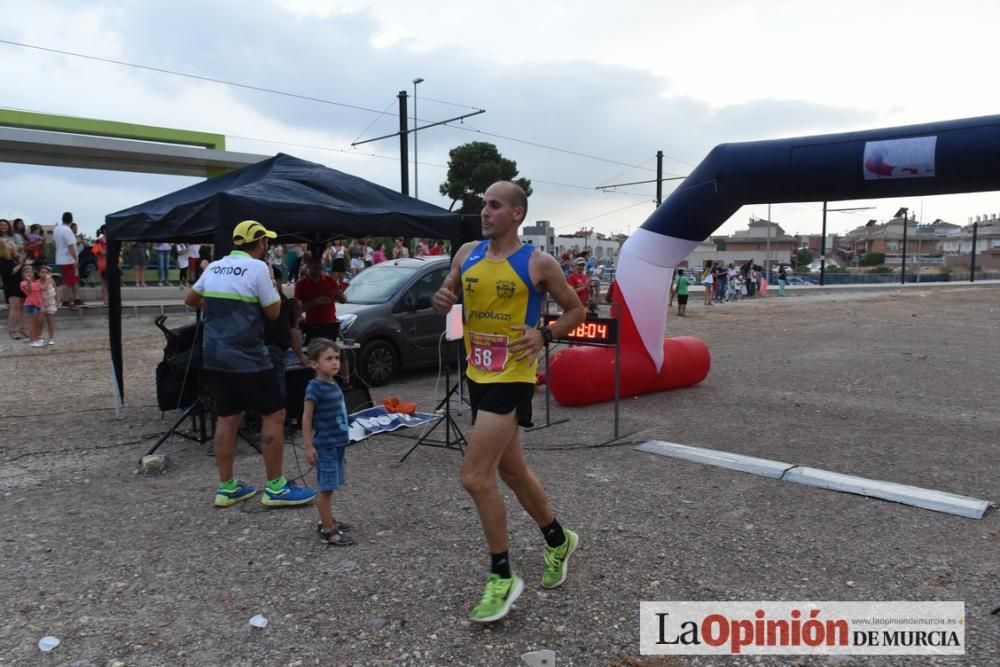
[224, 498]
[497, 598]
[557, 558]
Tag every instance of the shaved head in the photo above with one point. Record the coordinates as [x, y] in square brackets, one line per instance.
[514, 194]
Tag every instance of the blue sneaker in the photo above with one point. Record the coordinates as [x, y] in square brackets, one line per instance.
[287, 496]
[224, 498]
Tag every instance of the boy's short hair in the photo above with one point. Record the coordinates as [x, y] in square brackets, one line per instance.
[318, 346]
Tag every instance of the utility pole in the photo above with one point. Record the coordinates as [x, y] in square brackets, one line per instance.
[658, 180]
[822, 251]
[902, 275]
[822, 243]
[972, 257]
[404, 146]
[659, 177]
[403, 135]
[767, 260]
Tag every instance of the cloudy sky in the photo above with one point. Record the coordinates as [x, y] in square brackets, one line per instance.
[607, 84]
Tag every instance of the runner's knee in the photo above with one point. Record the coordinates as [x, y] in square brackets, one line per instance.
[476, 482]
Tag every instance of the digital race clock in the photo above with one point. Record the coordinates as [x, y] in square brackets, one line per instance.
[599, 330]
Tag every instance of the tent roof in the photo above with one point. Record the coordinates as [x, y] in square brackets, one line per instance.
[293, 197]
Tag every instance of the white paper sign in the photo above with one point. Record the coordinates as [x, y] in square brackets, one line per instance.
[899, 158]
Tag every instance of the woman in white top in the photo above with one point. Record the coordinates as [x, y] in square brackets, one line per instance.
[708, 282]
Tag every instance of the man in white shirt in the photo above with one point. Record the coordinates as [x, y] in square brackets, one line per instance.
[67, 259]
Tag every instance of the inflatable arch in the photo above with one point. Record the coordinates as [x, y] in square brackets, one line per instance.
[931, 159]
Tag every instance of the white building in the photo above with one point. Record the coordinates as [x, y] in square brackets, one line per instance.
[542, 235]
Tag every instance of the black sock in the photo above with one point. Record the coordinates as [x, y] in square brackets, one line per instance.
[553, 533]
[500, 565]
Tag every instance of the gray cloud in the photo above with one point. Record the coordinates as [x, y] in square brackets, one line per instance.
[618, 112]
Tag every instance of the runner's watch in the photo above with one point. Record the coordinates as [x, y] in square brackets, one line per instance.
[546, 335]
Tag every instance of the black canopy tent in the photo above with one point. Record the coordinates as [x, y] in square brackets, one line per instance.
[299, 200]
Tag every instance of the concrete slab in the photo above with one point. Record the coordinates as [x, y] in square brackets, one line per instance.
[938, 501]
[714, 457]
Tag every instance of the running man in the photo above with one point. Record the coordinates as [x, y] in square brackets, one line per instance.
[503, 282]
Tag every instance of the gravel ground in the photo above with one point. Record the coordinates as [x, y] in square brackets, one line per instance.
[131, 569]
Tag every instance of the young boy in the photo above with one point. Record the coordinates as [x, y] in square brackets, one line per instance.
[680, 288]
[324, 431]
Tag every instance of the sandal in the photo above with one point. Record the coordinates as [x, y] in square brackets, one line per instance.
[15, 335]
[336, 538]
[346, 527]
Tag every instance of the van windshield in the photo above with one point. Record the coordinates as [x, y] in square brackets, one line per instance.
[379, 283]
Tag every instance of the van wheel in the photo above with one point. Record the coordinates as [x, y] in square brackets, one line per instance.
[379, 363]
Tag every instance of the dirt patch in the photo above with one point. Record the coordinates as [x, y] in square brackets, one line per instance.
[142, 570]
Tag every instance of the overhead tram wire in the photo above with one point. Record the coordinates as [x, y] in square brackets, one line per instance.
[601, 215]
[395, 158]
[310, 98]
[197, 77]
[545, 146]
[377, 119]
[638, 166]
[454, 104]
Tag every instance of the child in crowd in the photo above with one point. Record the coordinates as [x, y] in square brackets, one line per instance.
[34, 243]
[324, 431]
[49, 303]
[680, 289]
[32, 290]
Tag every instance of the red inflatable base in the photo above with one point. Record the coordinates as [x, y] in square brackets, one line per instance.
[585, 375]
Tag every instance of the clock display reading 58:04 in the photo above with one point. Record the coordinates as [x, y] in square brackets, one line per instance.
[592, 330]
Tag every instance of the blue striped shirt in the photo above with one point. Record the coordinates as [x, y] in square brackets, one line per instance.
[329, 414]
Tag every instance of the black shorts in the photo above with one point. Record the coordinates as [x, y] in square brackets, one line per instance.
[234, 393]
[682, 299]
[502, 398]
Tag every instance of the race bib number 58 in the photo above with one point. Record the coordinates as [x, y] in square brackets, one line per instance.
[488, 352]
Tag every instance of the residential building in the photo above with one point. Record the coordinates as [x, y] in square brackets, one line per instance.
[923, 242]
[542, 235]
[957, 246]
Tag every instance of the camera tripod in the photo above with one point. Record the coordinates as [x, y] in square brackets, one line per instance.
[200, 412]
[450, 425]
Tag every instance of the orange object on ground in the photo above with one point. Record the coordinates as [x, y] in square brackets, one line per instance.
[393, 404]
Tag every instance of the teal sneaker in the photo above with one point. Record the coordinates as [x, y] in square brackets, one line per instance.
[224, 498]
[557, 559]
[497, 598]
[287, 496]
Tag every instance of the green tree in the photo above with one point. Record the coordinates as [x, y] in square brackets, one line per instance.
[872, 259]
[472, 168]
[803, 257]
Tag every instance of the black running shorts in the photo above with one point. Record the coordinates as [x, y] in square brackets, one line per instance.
[502, 398]
[233, 393]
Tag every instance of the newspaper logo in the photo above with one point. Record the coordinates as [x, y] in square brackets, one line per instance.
[802, 628]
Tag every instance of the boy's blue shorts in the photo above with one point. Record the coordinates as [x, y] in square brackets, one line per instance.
[331, 468]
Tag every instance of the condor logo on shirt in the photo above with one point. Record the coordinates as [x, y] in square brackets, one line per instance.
[228, 270]
[505, 288]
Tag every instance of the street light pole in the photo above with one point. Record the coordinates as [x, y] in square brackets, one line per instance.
[416, 135]
[822, 251]
[767, 260]
[904, 212]
[906, 223]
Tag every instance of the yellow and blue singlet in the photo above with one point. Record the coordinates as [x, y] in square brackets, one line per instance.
[498, 294]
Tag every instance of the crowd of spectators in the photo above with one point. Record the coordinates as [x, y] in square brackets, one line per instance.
[42, 271]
